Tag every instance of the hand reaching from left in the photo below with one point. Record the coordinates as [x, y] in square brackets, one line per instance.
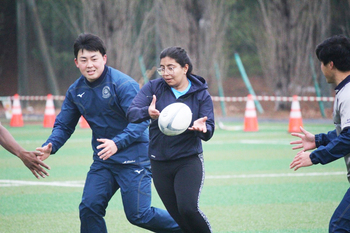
[33, 163]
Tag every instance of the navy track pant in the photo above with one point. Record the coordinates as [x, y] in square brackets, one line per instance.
[340, 221]
[134, 182]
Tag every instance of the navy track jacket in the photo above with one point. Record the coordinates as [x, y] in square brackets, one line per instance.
[163, 147]
[336, 143]
[103, 104]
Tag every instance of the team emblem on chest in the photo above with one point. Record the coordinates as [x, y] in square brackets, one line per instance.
[106, 92]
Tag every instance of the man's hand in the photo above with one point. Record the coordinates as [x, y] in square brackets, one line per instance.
[307, 141]
[34, 164]
[109, 148]
[45, 151]
[199, 125]
[302, 159]
[152, 111]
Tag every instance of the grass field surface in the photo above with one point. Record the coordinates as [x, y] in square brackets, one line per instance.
[248, 188]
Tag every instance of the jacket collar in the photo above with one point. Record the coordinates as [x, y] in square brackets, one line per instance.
[342, 84]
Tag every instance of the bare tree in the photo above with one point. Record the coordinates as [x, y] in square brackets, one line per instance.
[52, 79]
[125, 27]
[133, 28]
[286, 41]
[115, 22]
[197, 26]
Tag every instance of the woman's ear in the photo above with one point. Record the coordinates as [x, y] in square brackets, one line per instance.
[185, 68]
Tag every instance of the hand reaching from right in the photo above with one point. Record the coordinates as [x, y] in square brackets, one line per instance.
[307, 141]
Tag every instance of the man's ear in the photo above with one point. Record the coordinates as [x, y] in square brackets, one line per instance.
[331, 65]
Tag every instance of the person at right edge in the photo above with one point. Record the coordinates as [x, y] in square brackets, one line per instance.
[177, 161]
[334, 54]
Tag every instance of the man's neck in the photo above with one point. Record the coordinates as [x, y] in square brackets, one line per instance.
[340, 76]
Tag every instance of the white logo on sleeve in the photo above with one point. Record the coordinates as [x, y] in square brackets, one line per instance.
[81, 95]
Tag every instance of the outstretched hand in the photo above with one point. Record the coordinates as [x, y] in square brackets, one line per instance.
[199, 125]
[34, 164]
[302, 159]
[45, 151]
[307, 141]
[152, 111]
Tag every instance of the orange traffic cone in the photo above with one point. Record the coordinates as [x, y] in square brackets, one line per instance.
[50, 116]
[84, 123]
[16, 119]
[295, 121]
[250, 118]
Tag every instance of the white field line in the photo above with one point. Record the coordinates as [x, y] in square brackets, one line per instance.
[296, 174]
[40, 142]
[247, 141]
[6, 183]
[79, 184]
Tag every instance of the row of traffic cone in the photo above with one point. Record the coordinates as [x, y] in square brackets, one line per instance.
[250, 116]
[49, 116]
[251, 120]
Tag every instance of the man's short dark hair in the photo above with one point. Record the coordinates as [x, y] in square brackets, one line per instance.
[337, 50]
[90, 42]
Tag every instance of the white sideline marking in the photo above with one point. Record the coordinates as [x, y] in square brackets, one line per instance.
[79, 184]
[7, 183]
[296, 174]
[39, 142]
[247, 141]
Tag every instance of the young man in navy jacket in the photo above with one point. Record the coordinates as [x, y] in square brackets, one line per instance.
[102, 96]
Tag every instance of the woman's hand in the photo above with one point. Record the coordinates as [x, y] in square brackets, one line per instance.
[199, 125]
[152, 111]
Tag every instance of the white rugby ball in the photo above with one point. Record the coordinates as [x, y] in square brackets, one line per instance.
[175, 119]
